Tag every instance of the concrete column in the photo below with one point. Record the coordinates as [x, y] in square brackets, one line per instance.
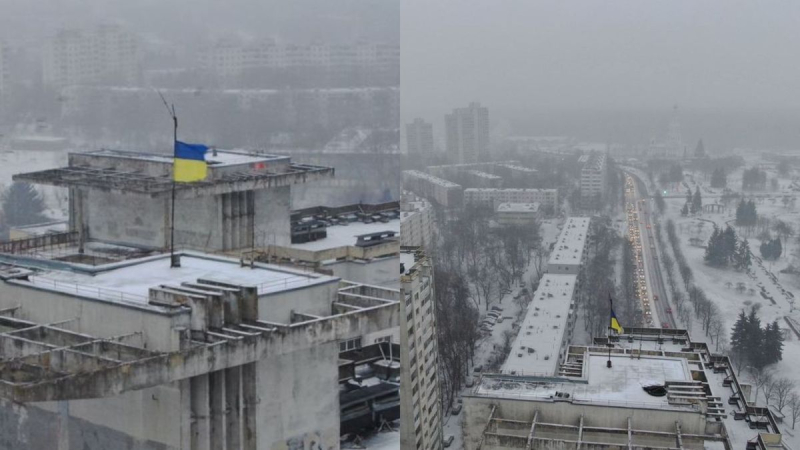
[200, 424]
[233, 423]
[63, 425]
[216, 397]
[249, 405]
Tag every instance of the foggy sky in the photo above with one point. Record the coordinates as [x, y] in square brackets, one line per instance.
[300, 21]
[517, 55]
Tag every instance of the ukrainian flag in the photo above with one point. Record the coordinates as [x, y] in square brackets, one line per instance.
[614, 322]
[190, 162]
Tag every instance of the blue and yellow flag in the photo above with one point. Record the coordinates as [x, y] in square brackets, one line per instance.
[614, 322]
[190, 162]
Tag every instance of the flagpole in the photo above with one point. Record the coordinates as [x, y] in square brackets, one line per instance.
[608, 331]
[174, 262]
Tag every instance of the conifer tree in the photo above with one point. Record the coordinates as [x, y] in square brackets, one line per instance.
[22, 205]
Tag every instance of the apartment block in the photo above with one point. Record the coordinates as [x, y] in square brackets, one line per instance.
[420, 405]
[467, 134]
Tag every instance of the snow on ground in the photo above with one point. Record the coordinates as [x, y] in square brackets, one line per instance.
[764, 285]
[382, 440]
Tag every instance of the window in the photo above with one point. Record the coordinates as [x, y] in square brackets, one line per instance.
[350, 344]
[384, 339]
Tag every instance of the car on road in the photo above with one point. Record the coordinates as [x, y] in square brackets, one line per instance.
[664, 325]
[669, 310]
[455, 409]
[497, 308]
[655, 298]
[448, 441]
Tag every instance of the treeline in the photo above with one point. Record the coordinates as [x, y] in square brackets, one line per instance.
[706, 311]
[724, 248]
[746, 215]
[474, 263]
[754, 179]
[753, 345]
[599, 281]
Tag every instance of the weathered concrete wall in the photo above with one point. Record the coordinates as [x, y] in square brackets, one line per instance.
[129, 219]
[477, 410]
[198, 223]
[98, 318]
[299, 400]
[278, 307]
[383, 272]
[272, 225]
[34, 428]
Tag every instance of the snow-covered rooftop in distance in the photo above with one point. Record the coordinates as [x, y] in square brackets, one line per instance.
[342, 235]
[216, 158]
[571, 242]
[517, 168]
[131, 280]
[484, 175]
[621, 385]
[553, 191]
[431, 178]
[536, 348]
[518, 207]
[410, 207]
[407, 261]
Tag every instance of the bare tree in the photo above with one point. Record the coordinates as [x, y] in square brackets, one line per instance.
[781, 392]
[716, 331]
[760, 378]
[794, 407]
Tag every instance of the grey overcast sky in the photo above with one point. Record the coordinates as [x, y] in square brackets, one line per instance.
[621, 54]
[192, 20]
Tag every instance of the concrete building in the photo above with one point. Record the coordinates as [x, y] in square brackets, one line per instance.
[467, 134]
[420, 405]
[660, 391]
[359, 243]
[106, 54]
[228, 59]
[517, 214]
[125, 197]
[416, 222]
[569, 251]
[492, 197]
[546, 332]
[134, 353]
[594, 175]
[516, 172]
[435, 189]
[483, 179]
[419, 139]
[108, 344]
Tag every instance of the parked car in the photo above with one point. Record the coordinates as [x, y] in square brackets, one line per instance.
[496, 308]
[456, 409]
[448, 441]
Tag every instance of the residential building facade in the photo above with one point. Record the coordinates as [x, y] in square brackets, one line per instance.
[467, 134]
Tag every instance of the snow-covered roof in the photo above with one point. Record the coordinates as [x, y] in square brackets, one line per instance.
[342, 235]
[518, 207]
[216, 158]
[517, 168]
[538, 344]
[431, 178]
[550, 191]
[484, 175]
[621, 385]
[131, 280]
[571, 242]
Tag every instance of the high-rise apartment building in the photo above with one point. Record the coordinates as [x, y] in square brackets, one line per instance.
[420, 405]
[593, 178]
[467, 134]
[106, 54]
[231, 59]
[416, 221]
[419, 139]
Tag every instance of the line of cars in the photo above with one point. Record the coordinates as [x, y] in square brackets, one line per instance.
[634, 236]
[494, 316]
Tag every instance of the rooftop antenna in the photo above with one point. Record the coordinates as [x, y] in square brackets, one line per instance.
[174, 260]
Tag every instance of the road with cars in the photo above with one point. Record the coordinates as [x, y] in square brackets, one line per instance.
[651, 289]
